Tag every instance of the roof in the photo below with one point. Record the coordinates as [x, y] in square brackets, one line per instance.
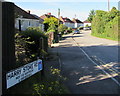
[76, 21]
[46, 16]
[23, 13]
[86, 21]
[40, 19]
[66, 20]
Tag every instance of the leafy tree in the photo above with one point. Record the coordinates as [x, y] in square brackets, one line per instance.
[91, 15]
[52, 23]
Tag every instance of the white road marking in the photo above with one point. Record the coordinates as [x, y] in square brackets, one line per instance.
[96, 63]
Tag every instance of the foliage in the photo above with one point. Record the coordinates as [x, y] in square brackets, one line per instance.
[20, 46]
[69, 29]
[87, 25]
[52, 24]
[105, 24]
[62, 28]
[28, 45]
[51, 86]
[91, 15]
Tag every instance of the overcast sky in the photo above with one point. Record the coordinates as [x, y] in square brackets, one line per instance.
[69, 8]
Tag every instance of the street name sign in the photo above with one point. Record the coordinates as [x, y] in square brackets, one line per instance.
[16, 76]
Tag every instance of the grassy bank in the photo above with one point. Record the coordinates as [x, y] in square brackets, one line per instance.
[105, 37]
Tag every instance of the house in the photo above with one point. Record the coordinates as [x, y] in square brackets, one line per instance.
[87, 23]
[67, 22]
[77, 23]
[24, 19]
[48, 15]
[40, 21]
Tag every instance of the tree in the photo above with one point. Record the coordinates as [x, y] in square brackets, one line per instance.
[87, 25]
[91, 15]
[52, 23]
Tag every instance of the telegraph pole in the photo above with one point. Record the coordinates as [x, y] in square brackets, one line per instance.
[58, 35]
[58, 16]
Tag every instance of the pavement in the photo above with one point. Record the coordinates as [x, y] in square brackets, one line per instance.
[83, 76]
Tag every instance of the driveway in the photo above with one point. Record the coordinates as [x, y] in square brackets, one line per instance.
[89, 63]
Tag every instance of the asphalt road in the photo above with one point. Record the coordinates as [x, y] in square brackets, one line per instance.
[89, 63]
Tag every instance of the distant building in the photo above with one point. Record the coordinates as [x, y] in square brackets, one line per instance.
[77, 23]
[87, 23]
[24, 19]
[67, 22]
[48, 15]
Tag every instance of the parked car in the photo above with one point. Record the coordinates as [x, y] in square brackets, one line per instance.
[86, 28]
[76, 32]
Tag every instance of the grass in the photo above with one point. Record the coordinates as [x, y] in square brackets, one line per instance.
[105, 37]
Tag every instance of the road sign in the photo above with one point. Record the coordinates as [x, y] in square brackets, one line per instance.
[16, 76]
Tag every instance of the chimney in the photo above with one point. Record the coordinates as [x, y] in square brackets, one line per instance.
[48, 13]
[28, 11]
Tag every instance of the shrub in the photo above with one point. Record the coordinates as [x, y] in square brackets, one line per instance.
[105, 24]
[30, 41]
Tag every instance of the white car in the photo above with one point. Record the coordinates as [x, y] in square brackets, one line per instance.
[86, 28]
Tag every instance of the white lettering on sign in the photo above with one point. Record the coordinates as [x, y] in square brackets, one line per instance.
[15, 76]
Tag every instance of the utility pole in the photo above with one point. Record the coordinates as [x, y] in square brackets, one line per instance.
[58, 23]
[58, 16]
[108, 5]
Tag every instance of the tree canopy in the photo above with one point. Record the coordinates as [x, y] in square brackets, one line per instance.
[52, 23]
[91, 15]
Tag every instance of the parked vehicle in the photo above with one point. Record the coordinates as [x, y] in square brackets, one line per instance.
[86, 28]
[76, 32]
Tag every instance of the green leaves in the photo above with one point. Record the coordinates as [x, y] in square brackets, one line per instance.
[105, 24]
[52, 23]
[91, 15]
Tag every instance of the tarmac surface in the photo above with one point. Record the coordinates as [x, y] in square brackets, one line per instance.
[89, 63]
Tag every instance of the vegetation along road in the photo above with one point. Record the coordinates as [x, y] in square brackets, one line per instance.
[89, 63]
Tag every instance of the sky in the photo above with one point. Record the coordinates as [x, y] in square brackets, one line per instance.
[68, 8]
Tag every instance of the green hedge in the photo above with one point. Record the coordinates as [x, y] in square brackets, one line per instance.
[105, 24]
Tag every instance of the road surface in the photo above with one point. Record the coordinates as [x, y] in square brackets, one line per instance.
[90, 64]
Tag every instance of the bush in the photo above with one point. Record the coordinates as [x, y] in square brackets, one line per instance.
[29, 45]
[105, 24]
[62, 28]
